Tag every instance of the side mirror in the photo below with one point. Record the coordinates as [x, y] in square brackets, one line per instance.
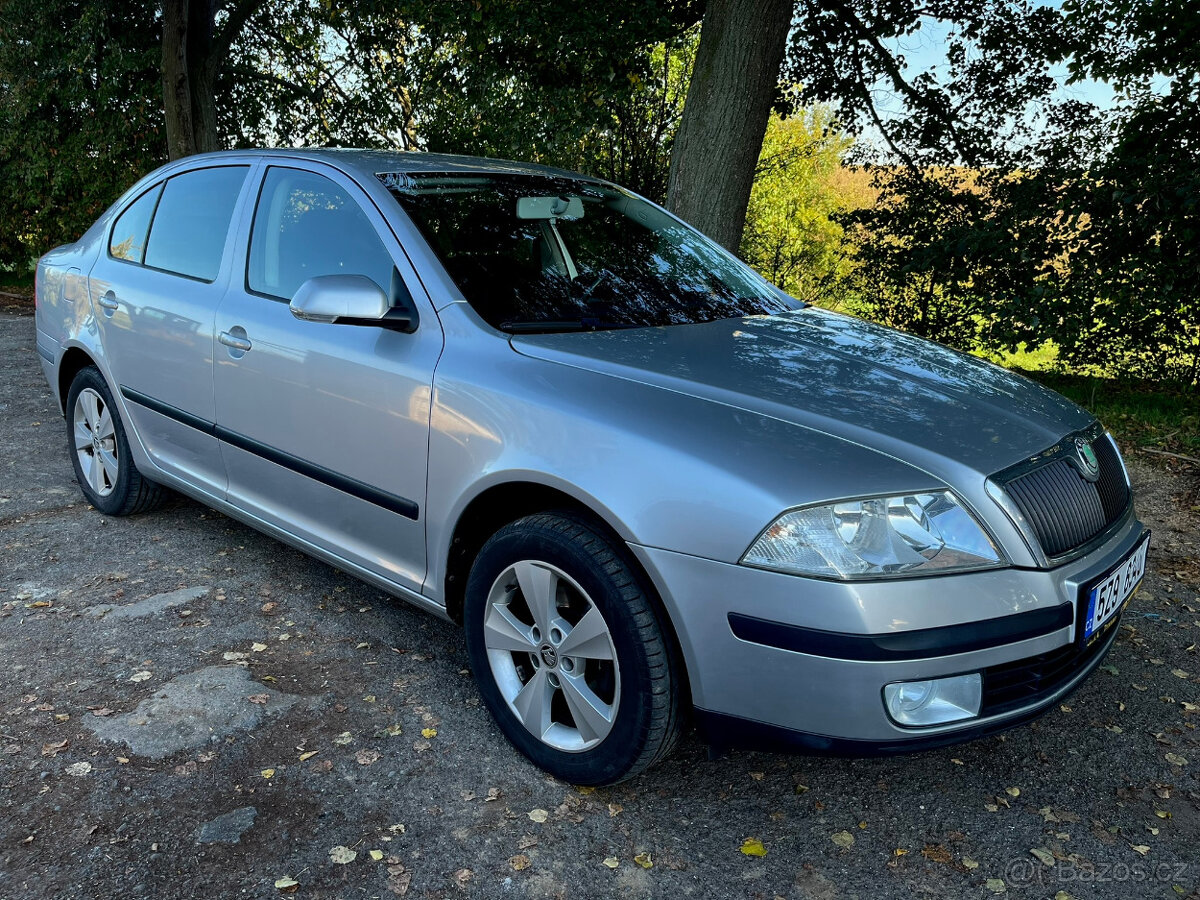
[349, 300]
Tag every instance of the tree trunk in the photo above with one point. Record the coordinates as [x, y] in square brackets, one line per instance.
[734, 82]
[177, 91]
[189, 72]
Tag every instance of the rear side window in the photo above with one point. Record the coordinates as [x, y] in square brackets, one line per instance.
[192, 221]
[306, 226]
[128, 239]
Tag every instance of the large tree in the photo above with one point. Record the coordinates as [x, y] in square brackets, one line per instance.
[735, 81]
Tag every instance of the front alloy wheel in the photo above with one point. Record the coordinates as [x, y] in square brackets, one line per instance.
[552, 656]
[569, 650]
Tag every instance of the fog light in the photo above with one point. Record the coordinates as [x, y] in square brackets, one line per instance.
[934, 702]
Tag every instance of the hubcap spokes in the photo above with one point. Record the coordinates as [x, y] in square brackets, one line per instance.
[552, 656]
[95, 439]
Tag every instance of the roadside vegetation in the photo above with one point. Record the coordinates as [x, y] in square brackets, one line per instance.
[992, 207]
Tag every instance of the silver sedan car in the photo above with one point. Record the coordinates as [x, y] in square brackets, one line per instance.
[650, 486]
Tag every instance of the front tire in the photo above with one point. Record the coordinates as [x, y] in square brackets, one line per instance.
[568, 650]
[100, 450]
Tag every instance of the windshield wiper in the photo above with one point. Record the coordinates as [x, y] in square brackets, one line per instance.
[535, 327]
[550, 327]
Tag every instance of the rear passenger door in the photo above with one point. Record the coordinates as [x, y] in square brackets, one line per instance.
[154, 291]
[325, 428]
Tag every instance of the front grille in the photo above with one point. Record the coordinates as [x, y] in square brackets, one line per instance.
[1018, 684]
[1066, 510]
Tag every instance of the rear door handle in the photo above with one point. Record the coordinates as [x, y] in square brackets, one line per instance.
[109, 300]
[236, 343]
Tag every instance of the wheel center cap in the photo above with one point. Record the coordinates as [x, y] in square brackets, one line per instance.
[549, 655]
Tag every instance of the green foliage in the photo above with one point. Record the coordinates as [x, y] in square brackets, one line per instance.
[80, 116]
[1076, 225]
[791, 235]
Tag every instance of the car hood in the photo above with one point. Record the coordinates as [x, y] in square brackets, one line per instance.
[892, 392]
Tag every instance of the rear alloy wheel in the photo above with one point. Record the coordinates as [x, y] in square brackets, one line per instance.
[569, 653]
[100, 450]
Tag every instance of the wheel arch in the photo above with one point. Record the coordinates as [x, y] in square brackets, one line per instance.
[501, 503]
[73, 361]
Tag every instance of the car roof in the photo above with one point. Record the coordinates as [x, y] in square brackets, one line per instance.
[372, 162]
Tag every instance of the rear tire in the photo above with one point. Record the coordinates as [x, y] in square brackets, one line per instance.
[568, 650]
[100, 451]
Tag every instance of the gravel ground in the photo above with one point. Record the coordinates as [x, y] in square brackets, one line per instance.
[191, 709]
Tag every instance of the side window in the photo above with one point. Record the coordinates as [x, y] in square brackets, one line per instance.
[128, 238]
[306, 226]
[192, 221]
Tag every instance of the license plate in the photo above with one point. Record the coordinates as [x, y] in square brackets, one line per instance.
[1108, 595]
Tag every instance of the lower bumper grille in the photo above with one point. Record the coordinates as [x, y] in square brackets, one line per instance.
[1027, 681]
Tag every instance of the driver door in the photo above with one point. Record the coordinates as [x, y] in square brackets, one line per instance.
[324, 428]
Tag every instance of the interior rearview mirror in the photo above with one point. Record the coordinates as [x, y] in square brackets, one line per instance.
[351, 300]
[549, 208]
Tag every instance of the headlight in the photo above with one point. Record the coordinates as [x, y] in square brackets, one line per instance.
[910, 534]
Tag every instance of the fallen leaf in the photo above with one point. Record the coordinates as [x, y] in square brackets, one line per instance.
[102, 712]
[343, 739]
[614, 810]
[644, 860]
[996, 885]
[52, 750]
[611, 862]
[421, 746]
[62, 717]
[1179, 673]
[899, 851]
[393, 731]
[376, 855]
[493, 794]
[526, 842]
[428, 733]
[1176, 760]
[937, 853]
[260, 699]
[307, 755]
[969, 863]
[139, 676]
[800, 789]
[843, 839]
[519, 862]
[538, 815]
[1044, 856]
[369, 698]
[268, 773]
[463, 877]
[233, 656]
[342, 855]
[1013, 792]
[754, 847]
[287, 884]
[258, 648]
[79, 768]
[366, 757]
[396, 829]
[1141, 848]
[269, 608]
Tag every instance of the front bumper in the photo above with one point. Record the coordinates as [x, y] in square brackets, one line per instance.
[809, 666]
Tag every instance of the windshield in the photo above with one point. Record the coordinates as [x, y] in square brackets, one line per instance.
[534, 253]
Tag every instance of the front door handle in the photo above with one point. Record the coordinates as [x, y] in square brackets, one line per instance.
[234, 342]
[109, 300]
